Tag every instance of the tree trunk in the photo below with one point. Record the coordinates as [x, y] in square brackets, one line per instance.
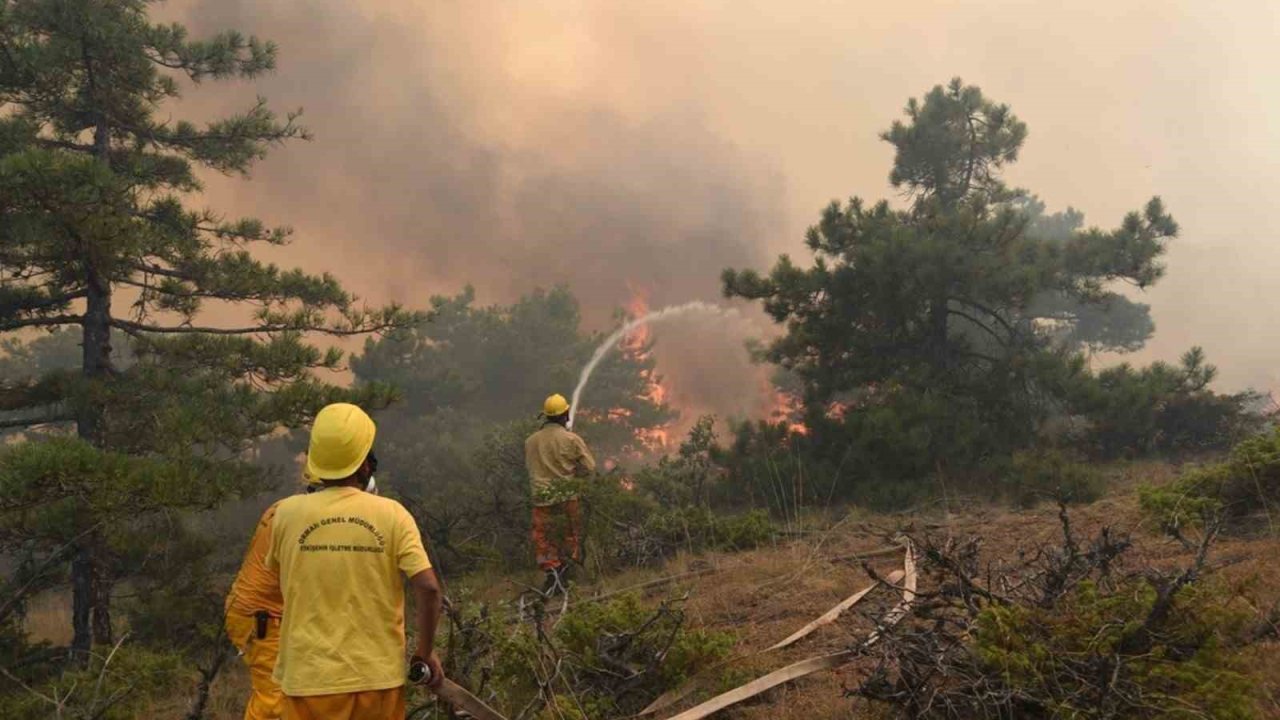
[102, 585]
[938, 332]
[91, 592]
[207, 677]
[81, 599]
[90, 588]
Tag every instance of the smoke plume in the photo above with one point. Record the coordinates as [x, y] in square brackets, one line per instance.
[511, 144]
[505, 150]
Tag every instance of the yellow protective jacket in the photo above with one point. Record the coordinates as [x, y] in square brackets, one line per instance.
[256, 586]
[257, 589]
[554, 456]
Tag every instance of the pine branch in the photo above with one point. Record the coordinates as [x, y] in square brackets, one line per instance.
[35, 302]
[51, 321]
[979, 323]
[15, 596]
[32, 422]
[999, 318]
[225, 55]
[134, 328]
[52, 144]
[162, 272]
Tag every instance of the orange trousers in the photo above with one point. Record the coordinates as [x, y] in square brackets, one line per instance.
[555, 528]
[266, 702]
[367, 705]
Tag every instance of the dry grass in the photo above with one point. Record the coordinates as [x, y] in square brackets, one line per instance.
[226, 700]
[48, 617]
[765, 595]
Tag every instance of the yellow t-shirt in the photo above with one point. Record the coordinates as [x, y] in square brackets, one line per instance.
[257, 587]
[553, 456]
[340, 553]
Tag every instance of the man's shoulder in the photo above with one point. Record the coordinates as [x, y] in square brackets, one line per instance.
[293, 508]
[549, 430]
[382, 504]
[273, 507]
[268, 515]
[283, 507]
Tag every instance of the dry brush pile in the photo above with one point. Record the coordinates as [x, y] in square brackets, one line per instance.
[1075, 629]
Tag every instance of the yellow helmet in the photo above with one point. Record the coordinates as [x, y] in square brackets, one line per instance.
[341, 439]
[555, 405]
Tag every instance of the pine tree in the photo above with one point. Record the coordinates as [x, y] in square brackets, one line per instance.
[943, 309]
[97, 235]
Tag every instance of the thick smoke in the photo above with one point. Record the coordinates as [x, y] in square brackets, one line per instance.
[510, 143]
[477, 145]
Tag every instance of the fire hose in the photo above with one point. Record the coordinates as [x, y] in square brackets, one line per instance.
[452, 693]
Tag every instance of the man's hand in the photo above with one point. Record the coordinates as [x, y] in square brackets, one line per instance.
[435, 670]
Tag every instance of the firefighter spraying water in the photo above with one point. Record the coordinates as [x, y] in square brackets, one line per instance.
[612, 340]
[554, 457]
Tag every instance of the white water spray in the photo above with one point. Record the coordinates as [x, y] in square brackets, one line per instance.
[609, 342]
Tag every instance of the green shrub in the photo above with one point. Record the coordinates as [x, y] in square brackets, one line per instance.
[1161, 408]
[598, 660]
[698, 528]
[1039, 475]
[1247, 481]
[133, 679]
[627, 527]
[1185, 672]
[1067, 630]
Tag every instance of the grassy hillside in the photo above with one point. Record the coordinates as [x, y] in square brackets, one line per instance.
[762, 596]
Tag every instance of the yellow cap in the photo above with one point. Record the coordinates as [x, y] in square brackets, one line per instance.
[555, 405]
[341, 438]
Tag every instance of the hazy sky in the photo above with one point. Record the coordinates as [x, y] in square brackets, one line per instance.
[616, 145]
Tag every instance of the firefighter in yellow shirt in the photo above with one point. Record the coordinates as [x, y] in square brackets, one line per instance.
[253, 609]
[341, 553]
[554, 456]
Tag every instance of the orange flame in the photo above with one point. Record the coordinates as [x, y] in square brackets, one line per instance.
[658, 438]
[786, 409]
[637, 307]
